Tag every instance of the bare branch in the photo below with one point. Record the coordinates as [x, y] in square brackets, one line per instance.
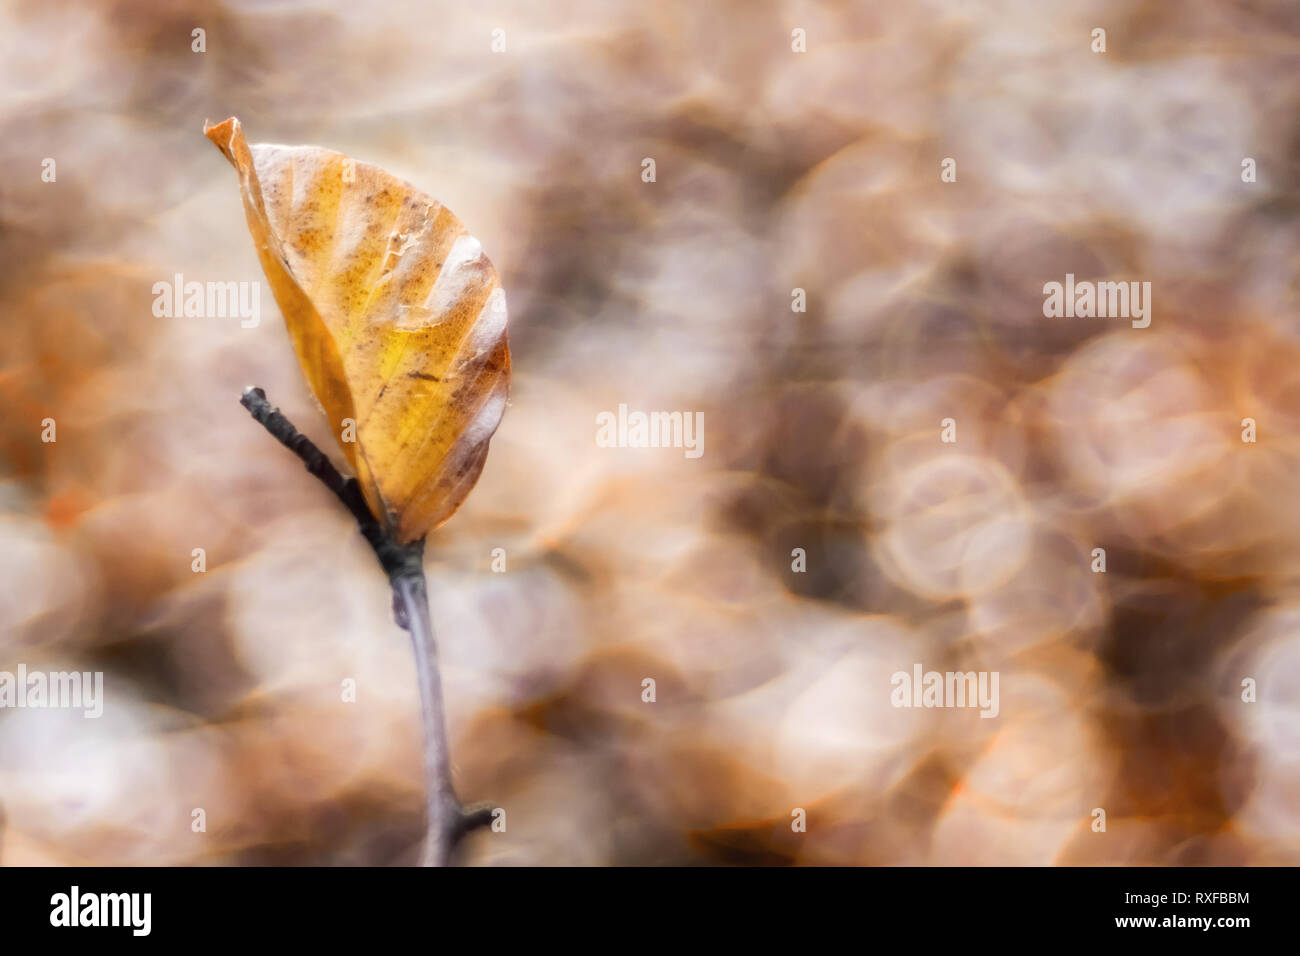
[269, 417]
[446, 821]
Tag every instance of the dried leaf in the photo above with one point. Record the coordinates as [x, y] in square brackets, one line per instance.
[398, 319]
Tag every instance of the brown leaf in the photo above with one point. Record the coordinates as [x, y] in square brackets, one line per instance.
[398, 319]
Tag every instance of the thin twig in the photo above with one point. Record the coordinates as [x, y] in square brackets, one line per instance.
[412, 595]
[446, 820]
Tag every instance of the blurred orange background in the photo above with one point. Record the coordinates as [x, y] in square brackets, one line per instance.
[775, 170]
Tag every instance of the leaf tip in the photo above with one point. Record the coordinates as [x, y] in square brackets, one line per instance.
[211, 129]
[224, 135]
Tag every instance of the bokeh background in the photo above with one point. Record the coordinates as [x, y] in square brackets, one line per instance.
[775, 170]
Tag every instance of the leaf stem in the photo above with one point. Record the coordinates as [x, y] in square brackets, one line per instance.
[446, 820]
